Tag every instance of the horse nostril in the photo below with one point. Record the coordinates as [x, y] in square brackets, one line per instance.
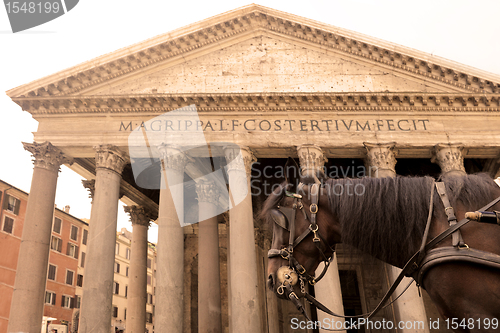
[270, 282]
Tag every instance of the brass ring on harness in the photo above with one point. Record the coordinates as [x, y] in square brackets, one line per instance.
[313, 230]
[313, 208]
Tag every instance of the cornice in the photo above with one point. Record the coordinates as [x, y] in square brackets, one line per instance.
[263, 102]
[257, 19]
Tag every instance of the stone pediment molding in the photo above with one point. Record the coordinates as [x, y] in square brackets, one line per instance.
[442, 102]
[257, 20]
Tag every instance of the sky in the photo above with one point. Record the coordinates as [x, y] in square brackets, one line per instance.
[458, 30]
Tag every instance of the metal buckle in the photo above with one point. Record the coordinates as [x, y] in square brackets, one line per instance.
[315, 238]
[287, 257]
[315, 207]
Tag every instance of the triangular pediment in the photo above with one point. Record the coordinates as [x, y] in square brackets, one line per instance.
[258, 49]
[269, 64]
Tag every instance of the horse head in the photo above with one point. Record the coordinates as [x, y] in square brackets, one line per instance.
[302, 238]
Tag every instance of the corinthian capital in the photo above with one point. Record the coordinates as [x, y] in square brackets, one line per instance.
[110, 157]
[239, 158]
[90, 186]
[311, 159]
[139, 215]
[207, 191]
[450, 158]
[47, 156]
[380, 158]
[173, 157]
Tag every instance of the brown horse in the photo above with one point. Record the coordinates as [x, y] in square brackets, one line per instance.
[386, 217]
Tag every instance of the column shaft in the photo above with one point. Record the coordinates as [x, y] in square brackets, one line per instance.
[328, 292]
[137, 291]
[410, 306]
[96, 310]
[26, 310]
[245, 312]
[209, 302]
[169, 307]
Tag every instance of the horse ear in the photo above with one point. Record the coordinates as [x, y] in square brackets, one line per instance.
[292, 174]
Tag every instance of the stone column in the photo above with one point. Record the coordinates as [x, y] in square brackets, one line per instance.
[245, 312]
[450, 158]
[137, 286]
[26, 309]
[169, 307]
[96, 310]
[209, 301]
[327, 290]
[410, 306]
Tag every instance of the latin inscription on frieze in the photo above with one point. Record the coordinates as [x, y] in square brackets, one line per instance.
[280, 125]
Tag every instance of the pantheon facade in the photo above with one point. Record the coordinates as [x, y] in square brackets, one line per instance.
[270, 85]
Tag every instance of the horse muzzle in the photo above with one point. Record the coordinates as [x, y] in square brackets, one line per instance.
[283, 281]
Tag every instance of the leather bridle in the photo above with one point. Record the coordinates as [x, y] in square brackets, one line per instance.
[285, 218]
[416, 267]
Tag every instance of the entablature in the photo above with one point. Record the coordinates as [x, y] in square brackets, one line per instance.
[262, 102]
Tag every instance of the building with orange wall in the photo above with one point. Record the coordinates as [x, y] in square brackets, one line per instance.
[65, 260]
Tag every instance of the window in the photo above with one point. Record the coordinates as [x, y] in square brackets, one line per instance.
[56, 244]
[79, 280]
[69, 277]
[116, 288]
[52, 272]
[149, 263]
[67, 302]
[150, 299]
[117, 267]
[117, 248]
[115, 311]
[50, 298]
[8, 224]
[149, 318]
[74, 233]
[126, 271]
[149, 279]
[82, 260]
[57, 225]
[85, 236]
[78, 302]
[126, 291]
[125, 314]
[11, 204]
[127, 253]
[72, 250]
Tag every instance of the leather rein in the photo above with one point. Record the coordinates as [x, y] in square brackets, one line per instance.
[416, 267]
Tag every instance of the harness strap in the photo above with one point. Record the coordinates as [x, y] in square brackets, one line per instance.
[457, 226]
[457, 239]
[449, 253]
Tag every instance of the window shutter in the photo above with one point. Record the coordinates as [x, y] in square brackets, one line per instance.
[18, 205]
[72, 303]
[54, 298]
[67, 249]
[59, 245]
[62, 300]
[76, 252]
[6, 201]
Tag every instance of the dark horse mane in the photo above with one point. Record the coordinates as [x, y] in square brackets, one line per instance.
[388, 219]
